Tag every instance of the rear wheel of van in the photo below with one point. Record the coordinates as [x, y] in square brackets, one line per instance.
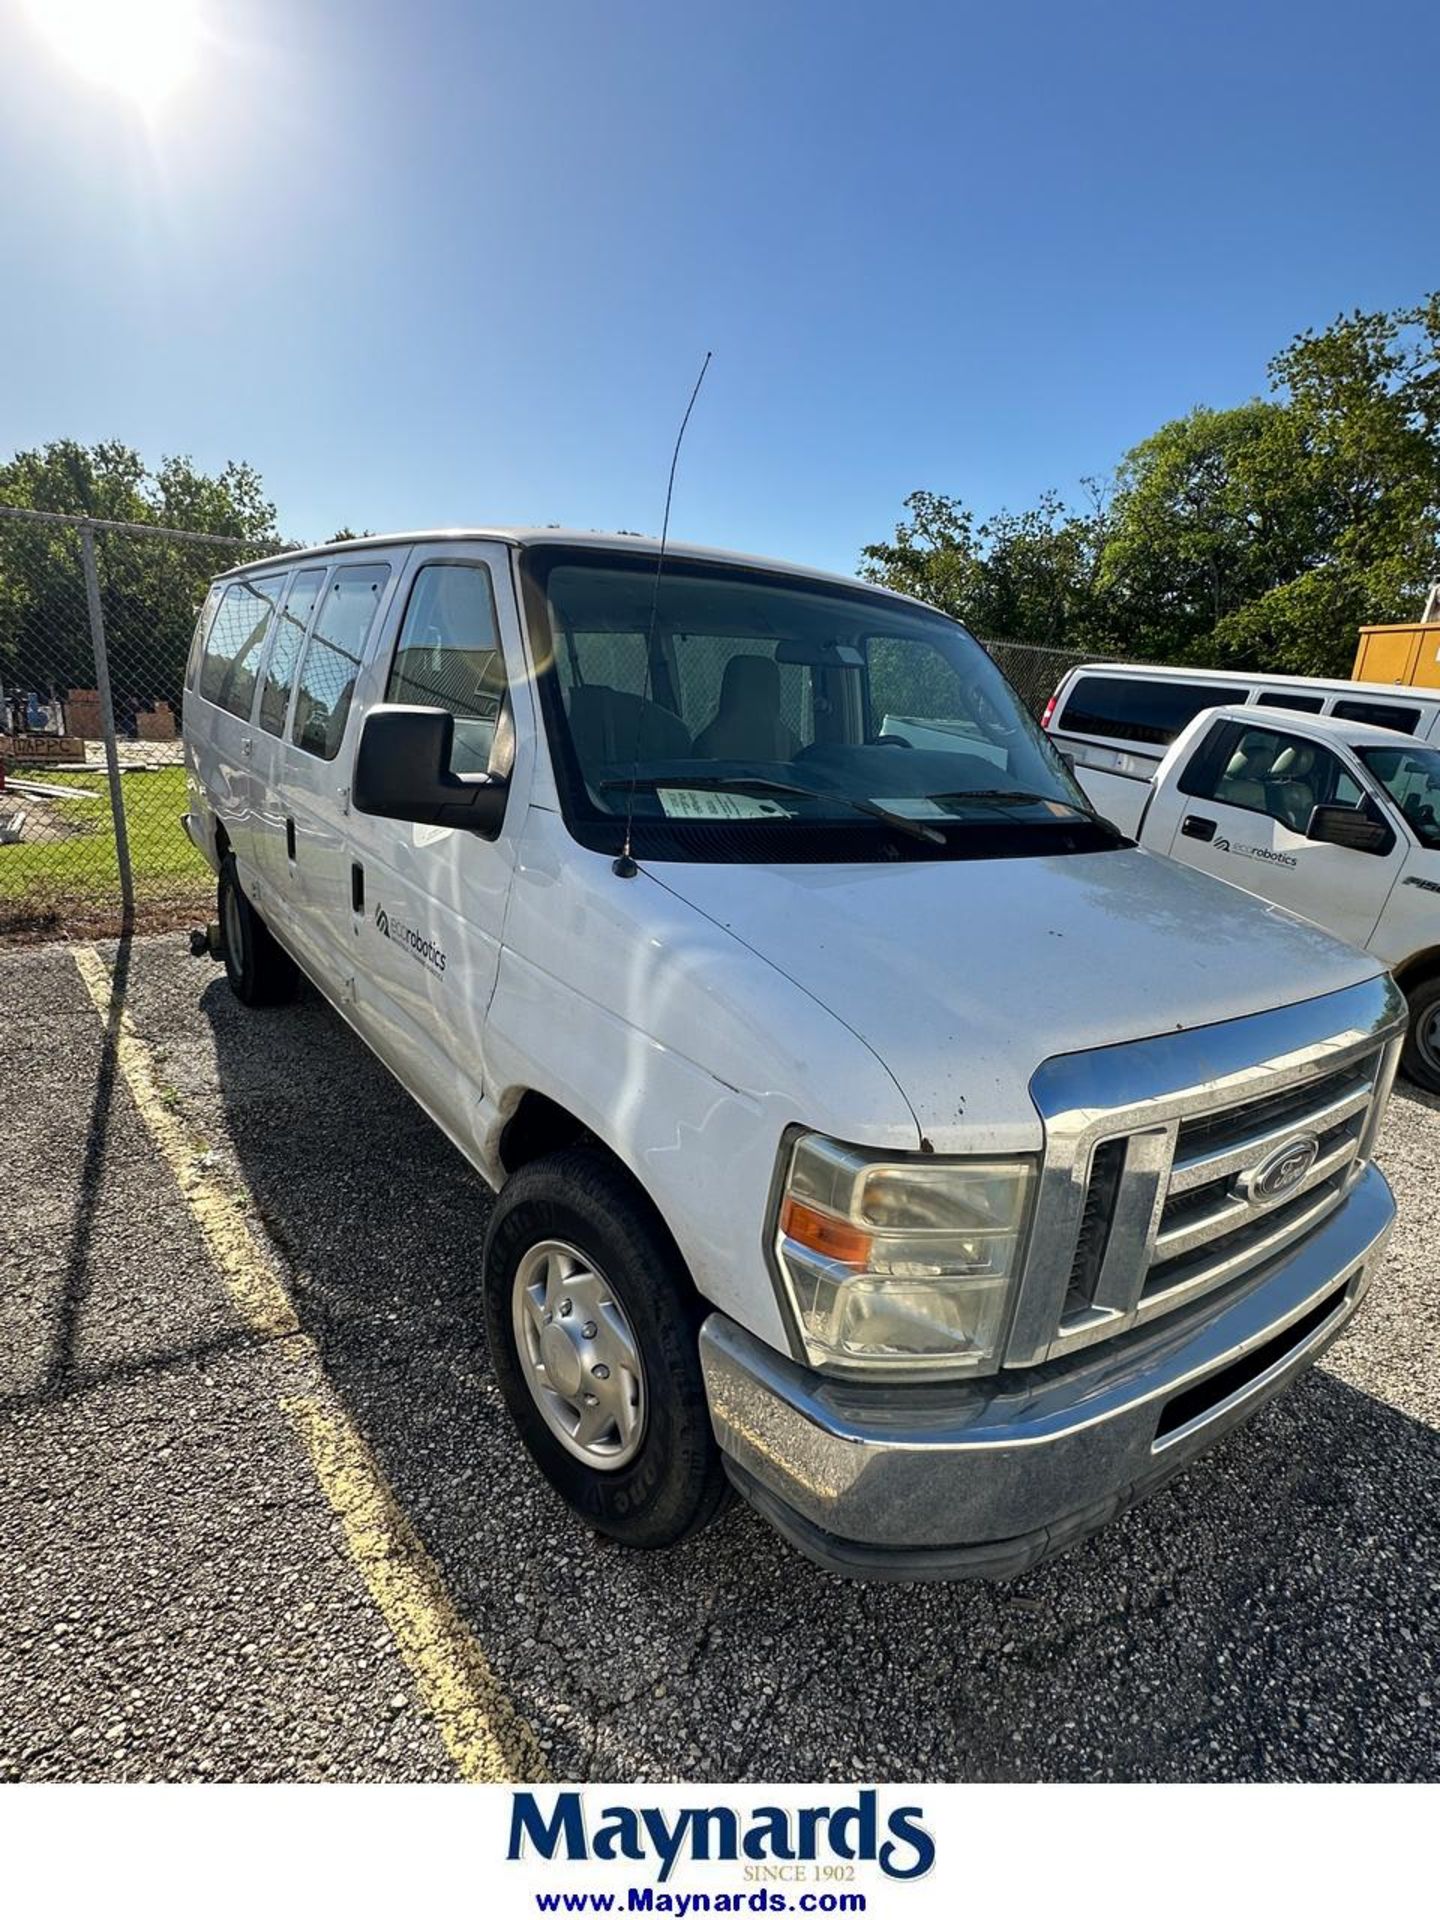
[260, 972]
[1421, 1057]
[594, 1333]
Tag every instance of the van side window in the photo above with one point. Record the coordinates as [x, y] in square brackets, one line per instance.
[232, 646]
[1378, 713]
[295, 612]
[1152, 711]
[1280, 775]
[334, 656]
[1292, 702]
[449, 656]
[202, 628]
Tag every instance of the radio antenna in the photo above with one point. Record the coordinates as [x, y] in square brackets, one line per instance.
[625, 865]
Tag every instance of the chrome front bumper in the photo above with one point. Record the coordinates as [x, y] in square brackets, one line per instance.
[987, 1478]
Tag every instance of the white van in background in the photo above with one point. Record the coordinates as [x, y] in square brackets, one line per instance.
[1115, 724]
[872, 1125]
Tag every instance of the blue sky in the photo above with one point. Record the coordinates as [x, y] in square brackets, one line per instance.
[448, 263]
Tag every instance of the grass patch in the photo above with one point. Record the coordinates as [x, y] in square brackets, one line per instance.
[65, 874]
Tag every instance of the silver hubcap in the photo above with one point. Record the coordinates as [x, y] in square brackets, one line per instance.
[1427, 1033]
[579, 1356]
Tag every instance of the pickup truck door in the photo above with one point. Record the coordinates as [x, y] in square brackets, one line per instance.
[1238, 805]
[424, 905]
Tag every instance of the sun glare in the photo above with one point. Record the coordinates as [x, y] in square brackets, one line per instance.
[144, 49]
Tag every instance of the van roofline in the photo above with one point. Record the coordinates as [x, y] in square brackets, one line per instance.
[570, 537]
[1249, 676]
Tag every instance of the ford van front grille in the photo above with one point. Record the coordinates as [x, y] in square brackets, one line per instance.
[1184, 1164]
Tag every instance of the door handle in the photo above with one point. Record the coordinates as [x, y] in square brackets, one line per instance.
[247, 746]
[1195, 828]
[290, 839]
[357, 887]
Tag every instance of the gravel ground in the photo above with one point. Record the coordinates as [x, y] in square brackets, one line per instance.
[178, 1601]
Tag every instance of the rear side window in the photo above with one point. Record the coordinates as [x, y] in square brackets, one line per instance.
[295, 612]
[1292, 702]
[202, 627]
[233, 645]
[1378, 713]
[333, 658]
[449, 656]
[1148, 711]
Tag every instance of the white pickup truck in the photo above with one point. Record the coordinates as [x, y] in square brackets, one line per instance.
[1333, 819]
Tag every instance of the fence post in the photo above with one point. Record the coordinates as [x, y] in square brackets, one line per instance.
[107, 724]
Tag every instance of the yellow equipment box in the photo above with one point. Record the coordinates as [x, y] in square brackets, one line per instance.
[1407, 656]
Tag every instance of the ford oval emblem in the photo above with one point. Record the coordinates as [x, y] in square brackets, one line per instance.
[1280, 1172]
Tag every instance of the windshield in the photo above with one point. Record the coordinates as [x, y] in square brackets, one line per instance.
[758, 703]
[1411, 777]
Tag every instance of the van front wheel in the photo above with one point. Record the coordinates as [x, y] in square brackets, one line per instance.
[260, 972]
[1421, 1057]
[593, 1325]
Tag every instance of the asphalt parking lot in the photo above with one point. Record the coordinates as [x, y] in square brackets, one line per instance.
[188, 1590]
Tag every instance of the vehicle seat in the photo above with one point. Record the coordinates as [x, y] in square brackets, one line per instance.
[611, 729]
[1242, 784]
[1292, 791]
[747, 723]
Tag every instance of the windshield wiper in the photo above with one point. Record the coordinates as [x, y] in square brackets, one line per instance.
[747, 783]
[1017, 794]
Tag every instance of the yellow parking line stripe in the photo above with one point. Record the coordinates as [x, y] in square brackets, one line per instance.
[218, 1209]
[486, 1737]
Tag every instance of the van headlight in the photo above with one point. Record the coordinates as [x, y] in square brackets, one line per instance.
[900, 1263]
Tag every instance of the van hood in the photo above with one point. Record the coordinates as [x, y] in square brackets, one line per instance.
[962, 976]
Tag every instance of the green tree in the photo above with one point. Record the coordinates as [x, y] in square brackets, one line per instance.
[1032, 575]
[1209, 514]
[1264, 535]
[1259, 536]
[150, 586]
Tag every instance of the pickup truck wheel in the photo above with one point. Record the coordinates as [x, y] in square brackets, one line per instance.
[593, 1325]
[260, 972]
[1421, 1056]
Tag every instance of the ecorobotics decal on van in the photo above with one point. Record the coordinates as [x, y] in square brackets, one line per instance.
[420, 944]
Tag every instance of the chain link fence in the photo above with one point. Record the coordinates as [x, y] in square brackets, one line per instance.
[95, 625]
[1035, 672]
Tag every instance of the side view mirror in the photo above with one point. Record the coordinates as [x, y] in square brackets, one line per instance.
[402, 772]
[1351, 827]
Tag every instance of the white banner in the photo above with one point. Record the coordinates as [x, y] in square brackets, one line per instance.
[882, 1852]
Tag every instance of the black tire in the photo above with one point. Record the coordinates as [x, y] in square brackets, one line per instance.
[1420, 1058]
[675, 1484]
[260, 972]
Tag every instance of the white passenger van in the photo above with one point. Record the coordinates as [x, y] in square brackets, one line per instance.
[873, 1127]
[1115, 723]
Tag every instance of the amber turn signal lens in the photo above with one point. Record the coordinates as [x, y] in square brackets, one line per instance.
[822, 1233]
